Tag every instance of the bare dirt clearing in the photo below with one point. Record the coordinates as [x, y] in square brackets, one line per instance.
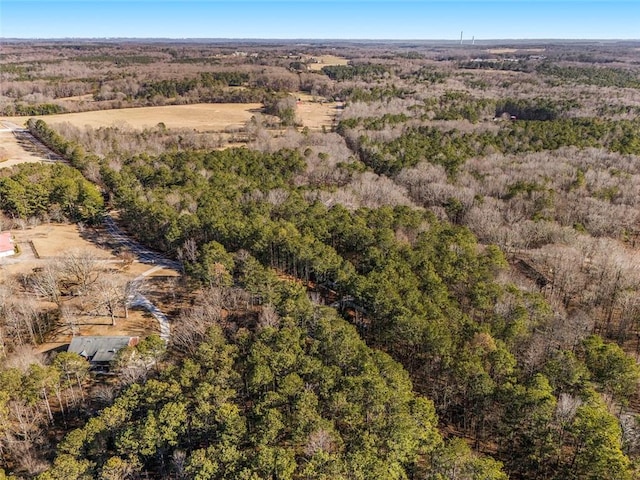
[498, 51]
[203, 117]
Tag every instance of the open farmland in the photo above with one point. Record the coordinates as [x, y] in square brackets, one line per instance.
[216, 117]
[327, 60]
[314, 114]
[14, 151]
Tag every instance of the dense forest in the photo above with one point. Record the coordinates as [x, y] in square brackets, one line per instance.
[443, 285]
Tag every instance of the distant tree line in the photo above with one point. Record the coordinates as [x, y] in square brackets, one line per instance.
[600, 76]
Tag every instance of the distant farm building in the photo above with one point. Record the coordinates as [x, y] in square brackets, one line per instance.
[7, 247]
[100, 350]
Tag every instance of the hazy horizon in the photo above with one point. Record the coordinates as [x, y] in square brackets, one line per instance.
[304, 20]
[466, 41]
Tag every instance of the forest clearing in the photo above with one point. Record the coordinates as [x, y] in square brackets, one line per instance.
[327, 60]
[216, 118]
[42, 244]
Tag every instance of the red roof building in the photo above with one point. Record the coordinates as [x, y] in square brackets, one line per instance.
[7, 247]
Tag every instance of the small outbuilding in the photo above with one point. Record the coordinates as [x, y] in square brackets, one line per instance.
[100, 350]
[7, 247]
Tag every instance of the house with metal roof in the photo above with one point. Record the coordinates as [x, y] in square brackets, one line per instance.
[100, 350]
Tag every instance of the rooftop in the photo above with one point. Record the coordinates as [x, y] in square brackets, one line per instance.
[6, 243]
[100, 349]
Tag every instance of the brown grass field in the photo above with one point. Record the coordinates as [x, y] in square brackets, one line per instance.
[14, 153]
[203, 117]
[51, 241]
[314, 114]
[498, 51]
[210, 117]
[327, 60]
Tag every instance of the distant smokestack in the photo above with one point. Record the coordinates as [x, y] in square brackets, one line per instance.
[461, 37]
[473, 40]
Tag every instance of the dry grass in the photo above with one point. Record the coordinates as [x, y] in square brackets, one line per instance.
[498, 51]
[209, 117]
[327, 60]
[54, 240]
[314, 114]
[14, 152]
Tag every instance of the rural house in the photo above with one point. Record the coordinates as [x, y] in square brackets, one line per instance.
[100, 350]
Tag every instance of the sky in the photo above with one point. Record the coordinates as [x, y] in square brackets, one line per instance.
[322, 19]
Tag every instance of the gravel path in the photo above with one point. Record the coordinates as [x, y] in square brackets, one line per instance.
[144, 255]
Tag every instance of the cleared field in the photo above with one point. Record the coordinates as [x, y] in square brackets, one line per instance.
[498, 51]
[203, 117]
[47, 241]
[13, 152]
[513, 50]
[54, 240]
[327, 60]
[314, 114]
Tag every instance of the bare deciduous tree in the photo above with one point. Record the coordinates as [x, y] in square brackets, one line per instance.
[268, 318]
[80, 267]
[46, 283]
[112, 291]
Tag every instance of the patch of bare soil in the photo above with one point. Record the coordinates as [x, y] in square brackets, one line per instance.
[499, 51]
